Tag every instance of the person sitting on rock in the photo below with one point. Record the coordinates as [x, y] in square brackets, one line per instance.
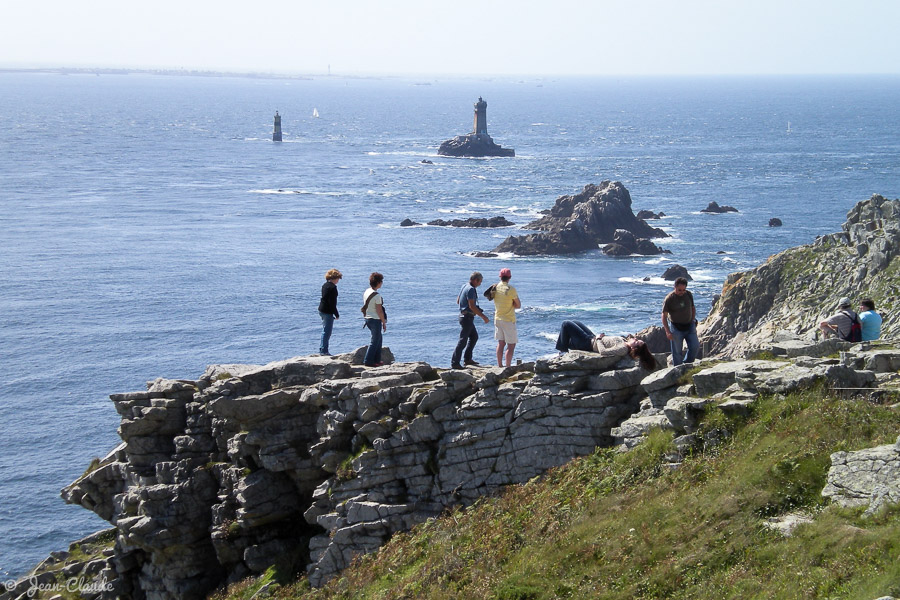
[575, 335]
[870, 320]
[840, 322]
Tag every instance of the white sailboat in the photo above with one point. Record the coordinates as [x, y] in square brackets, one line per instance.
[315, 113]
[789, 127]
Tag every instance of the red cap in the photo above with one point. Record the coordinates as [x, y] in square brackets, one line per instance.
[505, 273]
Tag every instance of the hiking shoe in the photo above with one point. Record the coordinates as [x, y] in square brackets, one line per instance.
[456, 366]
[471, 363]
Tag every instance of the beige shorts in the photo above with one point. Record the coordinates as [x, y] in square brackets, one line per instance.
[506, 331]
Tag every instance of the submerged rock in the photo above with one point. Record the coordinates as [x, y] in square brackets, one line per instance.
[408, 223]
[775, 222]
[649, 214]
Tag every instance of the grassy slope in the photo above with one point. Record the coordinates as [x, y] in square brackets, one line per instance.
[623, 526]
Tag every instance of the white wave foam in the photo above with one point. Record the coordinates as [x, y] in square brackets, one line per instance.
[657, 261]
[641, 281]
[577, 307]
[302, 192]
[485, 205]
[703, 275]
[398, 153]
[500, 255]
[459, 211]
[669, 240]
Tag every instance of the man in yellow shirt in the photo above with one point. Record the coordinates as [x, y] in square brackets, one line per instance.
[506, 301]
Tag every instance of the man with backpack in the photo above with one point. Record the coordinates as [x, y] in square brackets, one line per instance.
[844, 323]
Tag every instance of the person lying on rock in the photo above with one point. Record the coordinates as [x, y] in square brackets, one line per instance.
[575, 335]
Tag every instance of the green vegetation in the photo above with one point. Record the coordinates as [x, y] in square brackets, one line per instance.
[688, 376]
[767, 355]
[624, 526]
[345, 470]
[92, 466]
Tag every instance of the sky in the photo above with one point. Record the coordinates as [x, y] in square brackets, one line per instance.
[458, 37]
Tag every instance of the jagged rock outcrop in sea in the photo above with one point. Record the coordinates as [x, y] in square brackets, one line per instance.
[675, 271]
[583, 222]
[323, 460]
[788, 296]
[714, 208]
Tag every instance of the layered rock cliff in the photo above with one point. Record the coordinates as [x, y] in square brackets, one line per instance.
[319, 460]
[789, 295]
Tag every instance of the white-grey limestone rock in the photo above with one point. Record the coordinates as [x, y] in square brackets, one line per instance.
[865, 477]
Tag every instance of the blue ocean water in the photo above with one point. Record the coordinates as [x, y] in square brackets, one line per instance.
[150, 227]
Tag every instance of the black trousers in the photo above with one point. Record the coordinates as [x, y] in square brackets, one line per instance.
[468, 337]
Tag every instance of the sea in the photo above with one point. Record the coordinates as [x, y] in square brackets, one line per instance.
[149, 225]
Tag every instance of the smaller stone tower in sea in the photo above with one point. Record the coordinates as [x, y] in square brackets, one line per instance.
[480, 117]
[276, 134]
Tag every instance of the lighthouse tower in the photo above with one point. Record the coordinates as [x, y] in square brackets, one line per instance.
[276, 135]
[480, 117]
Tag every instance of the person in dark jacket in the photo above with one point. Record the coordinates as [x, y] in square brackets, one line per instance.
[328, 307]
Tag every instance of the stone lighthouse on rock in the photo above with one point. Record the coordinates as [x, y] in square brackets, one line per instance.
[276, 134]
[480, 117]
[477, 143]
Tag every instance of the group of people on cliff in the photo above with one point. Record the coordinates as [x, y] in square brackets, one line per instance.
[679, 321]
[679, 318]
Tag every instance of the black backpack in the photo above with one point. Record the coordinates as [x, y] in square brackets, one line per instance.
[855, 328]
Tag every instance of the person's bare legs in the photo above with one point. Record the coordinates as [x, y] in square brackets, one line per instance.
[509, 354]
[500, 345]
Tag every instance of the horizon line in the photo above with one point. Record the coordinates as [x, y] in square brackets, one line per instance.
[209, 71]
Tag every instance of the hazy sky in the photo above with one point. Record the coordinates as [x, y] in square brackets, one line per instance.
[460, 37]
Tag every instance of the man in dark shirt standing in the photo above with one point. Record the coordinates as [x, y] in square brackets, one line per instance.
[468, 335]
[678, 307]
